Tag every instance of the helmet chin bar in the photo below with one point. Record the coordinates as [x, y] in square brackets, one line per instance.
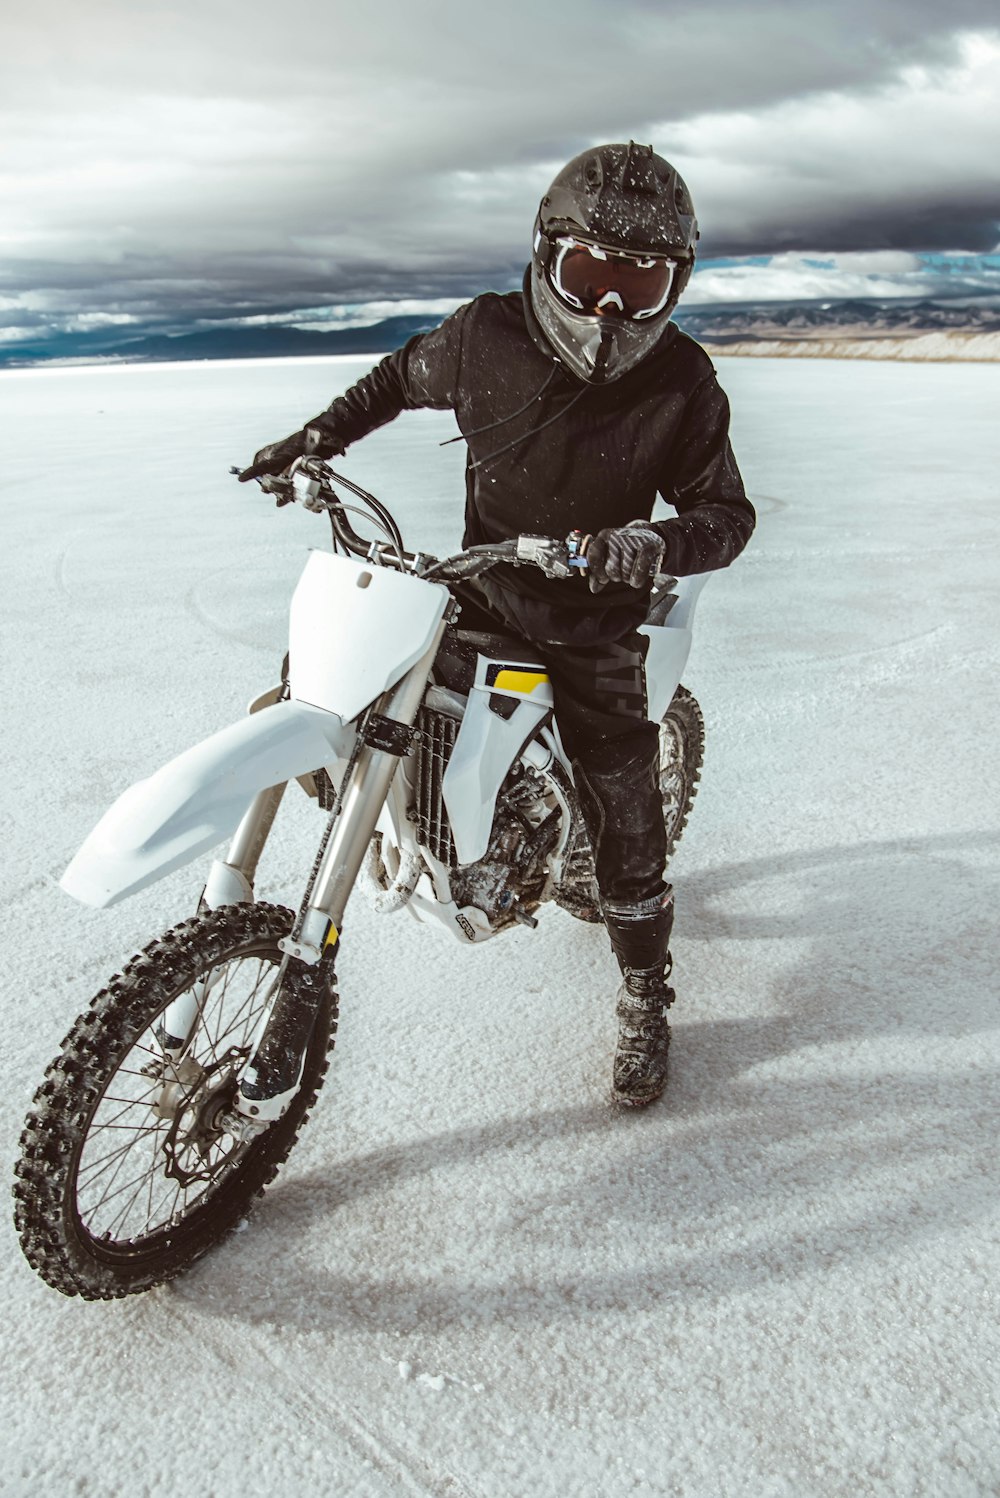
[605, 349]
[596, 349]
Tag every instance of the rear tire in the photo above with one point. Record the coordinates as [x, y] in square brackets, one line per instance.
[125, 1177]
[682, 752]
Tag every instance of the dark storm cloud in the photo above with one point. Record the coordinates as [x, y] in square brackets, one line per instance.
[230, 159]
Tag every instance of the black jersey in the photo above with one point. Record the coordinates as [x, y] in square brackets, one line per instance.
[548, 454]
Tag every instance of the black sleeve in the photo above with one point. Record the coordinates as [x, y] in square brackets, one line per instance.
[424, 372]
[715, 520]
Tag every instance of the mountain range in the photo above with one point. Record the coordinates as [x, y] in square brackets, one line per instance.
[716, 325]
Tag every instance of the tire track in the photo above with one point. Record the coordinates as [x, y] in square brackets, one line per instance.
[768, 504]
[198, 612]
[318, 1417]
[875, 661]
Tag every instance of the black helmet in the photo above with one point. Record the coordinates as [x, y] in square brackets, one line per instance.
[614, 247]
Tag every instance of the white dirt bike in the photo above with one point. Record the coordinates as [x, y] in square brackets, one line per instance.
[435, 756]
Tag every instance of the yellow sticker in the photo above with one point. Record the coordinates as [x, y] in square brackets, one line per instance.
[332, 936]
[519, 681]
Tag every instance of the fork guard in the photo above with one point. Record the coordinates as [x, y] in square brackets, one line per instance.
[198, 799]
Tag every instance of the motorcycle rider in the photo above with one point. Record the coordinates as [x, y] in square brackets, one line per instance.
[579, 401]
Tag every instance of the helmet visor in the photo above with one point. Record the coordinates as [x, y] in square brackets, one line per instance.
[603, 283]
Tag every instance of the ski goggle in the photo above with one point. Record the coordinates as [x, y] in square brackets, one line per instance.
[603, 283]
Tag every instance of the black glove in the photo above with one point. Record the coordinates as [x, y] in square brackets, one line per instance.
[314, 440]
[630, 554]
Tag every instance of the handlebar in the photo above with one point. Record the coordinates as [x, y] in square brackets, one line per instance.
[309, 481]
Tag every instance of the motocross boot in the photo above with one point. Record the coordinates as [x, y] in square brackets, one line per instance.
[640, 937]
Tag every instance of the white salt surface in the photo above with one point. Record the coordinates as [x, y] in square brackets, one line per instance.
[473, 1278]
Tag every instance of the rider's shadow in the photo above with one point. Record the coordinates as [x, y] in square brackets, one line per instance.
[901, 936]
[845, 1122]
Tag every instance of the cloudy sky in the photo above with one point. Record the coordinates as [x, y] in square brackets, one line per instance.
[175, 166]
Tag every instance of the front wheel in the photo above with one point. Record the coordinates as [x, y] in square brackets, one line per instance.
[127, 1173]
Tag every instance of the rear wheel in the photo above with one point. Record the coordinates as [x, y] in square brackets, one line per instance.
[127, 1172]
[682, 751]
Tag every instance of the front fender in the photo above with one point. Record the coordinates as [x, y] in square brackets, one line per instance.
[197, 800]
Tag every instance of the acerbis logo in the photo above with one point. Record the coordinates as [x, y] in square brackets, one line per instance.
[467, 927]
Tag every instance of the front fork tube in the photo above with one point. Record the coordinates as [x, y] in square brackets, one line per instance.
[271, 1077]
[230, 882]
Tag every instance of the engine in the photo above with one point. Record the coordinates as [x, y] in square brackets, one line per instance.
[510, 879]
[511, 876]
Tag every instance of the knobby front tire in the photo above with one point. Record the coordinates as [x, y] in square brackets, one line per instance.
[125, 1177]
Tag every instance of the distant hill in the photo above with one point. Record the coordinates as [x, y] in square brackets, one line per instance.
[745, 327]
[266, 342]
[855, 318]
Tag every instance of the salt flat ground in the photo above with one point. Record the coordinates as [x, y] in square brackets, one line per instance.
[473, 1278]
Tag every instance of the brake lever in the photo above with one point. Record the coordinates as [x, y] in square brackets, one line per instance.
[281, 489]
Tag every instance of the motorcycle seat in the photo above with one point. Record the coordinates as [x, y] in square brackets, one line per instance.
[455, 664]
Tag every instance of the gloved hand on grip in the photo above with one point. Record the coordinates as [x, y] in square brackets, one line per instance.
[313, 440]
[630, 554]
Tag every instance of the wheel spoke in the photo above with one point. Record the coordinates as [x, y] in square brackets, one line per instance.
[200, 1029]
[123, 1215]
[149, 1203]
[219, 996]
[157, 1213]
[241, 1009]
[110, 1196]
[231, 1023]
[112, 1122]
[157, 1053]
[250, 1014]
[105, 1160]
[114, 1176]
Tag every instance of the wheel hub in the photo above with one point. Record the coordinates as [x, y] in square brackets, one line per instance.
[198, 1099]
[180, 1080]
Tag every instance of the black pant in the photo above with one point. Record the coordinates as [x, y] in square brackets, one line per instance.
[600, 709]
